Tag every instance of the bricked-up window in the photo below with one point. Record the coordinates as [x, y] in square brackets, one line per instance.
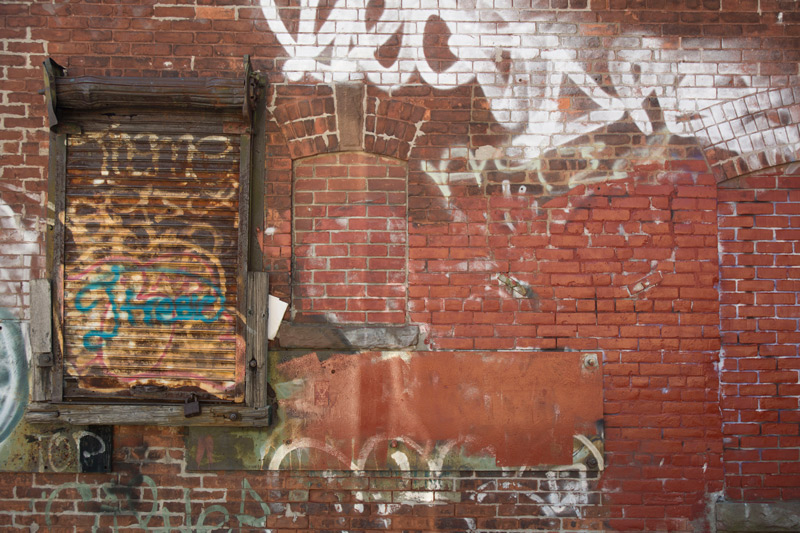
[154, 300]
[351, 239]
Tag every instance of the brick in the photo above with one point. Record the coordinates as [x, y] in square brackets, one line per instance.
[578, 250]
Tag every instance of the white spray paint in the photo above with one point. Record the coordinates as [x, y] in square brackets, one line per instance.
[520, 66]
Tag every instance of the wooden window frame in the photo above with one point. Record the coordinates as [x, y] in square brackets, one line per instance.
[47, 403]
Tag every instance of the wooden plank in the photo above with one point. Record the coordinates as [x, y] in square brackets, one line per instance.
[148, 415]
[90, 92]
[51, 71]
[41, 323]
[56, 205]
[41, 380]
[41, 340]
[256, 358]
[241, 270]
[52, 193]
[181, 121]
[257, 182]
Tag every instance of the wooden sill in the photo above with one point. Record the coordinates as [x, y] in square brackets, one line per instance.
[147, 415]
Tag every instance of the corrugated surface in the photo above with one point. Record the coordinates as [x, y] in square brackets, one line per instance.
[150, 260]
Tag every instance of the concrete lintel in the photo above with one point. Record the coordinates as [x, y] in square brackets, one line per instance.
[745, 517]
[343, 337]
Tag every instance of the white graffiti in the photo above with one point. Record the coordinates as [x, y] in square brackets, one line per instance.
[486, 158]
[434, 461]
[13, 375]
[432, 457]
[525, 72]
[568, 491]
[568, 488]
[17, 250]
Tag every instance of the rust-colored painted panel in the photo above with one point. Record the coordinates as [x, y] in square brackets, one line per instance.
[518, 408]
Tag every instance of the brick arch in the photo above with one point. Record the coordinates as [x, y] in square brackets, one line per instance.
[322, 118]
[752, 133]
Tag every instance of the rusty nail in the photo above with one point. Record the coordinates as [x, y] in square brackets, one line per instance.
[591, 361]
[233, 417]
[253, 364]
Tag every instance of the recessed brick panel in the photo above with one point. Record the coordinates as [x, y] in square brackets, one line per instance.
[350, 236]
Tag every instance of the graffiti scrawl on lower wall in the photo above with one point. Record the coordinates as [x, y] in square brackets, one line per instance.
[138, 498]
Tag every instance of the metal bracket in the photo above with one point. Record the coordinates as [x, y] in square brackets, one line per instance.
[52, 70]
[590, 361]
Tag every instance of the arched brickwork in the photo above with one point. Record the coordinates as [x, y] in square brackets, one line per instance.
[750, 134]
[318, 119]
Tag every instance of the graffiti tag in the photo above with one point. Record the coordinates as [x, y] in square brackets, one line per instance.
[205, 306]
[129, 499]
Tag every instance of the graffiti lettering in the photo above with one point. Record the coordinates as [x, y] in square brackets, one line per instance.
[205, 307]
[58, 450]
[522, 70]
[146, 153]
[139, 499]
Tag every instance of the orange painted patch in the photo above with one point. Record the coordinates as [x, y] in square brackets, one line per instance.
[520, 408]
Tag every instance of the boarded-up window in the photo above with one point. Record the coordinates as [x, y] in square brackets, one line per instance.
[149, 195]
[150, 257]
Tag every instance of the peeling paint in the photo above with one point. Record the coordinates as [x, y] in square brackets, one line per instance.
[422, 411]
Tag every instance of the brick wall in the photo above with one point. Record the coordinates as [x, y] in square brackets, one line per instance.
[758, 221]
[563, 164]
